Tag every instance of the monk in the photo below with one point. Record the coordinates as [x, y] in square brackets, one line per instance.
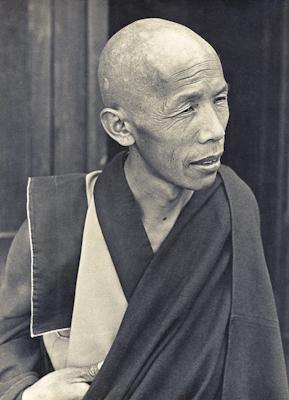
[146, 280]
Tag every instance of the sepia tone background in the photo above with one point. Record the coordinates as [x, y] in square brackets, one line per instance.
[49, 100]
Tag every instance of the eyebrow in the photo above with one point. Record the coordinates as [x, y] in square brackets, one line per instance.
[225, 88]
[197, 95]
[193, 96]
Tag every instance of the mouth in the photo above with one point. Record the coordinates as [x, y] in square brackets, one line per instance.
[207, 161]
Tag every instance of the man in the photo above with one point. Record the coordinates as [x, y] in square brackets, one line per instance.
[170, 297]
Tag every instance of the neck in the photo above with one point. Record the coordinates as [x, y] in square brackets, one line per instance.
[158, 200]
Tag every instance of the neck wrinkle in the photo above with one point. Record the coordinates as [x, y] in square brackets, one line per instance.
[153, 200]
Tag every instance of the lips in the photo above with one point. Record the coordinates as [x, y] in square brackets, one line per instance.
[207, 161]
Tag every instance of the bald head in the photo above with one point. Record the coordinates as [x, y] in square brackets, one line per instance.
[139, 60]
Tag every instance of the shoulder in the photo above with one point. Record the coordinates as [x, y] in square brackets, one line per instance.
[74, 183]
[47, 191]
[56, 180]
[235, 184]
[239, 193]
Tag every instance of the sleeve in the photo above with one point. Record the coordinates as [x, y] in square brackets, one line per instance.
[19, 353]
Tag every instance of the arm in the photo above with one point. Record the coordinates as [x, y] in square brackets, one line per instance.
[19, 354]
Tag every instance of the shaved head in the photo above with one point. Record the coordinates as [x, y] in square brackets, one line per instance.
[139, 60]
[165, 99]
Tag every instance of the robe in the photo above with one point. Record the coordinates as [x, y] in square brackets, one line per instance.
[153, 355]
[179, 299]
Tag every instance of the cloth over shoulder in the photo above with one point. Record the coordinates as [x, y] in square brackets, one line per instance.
[254, 365]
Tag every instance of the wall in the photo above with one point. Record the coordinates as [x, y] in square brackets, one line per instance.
[49, 99]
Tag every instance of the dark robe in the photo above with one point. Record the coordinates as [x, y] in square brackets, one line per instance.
[172, 342]
[153, 354]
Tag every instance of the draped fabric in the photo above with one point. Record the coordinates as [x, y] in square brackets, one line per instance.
[173, 338]
[176, 321]
[173, 342]
[95, 322]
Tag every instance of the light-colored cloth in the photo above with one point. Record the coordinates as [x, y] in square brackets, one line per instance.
[99, 304]
[56, 344]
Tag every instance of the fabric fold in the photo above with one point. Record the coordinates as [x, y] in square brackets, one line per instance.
[100, 303]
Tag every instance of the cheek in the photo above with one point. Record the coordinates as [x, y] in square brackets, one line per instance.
[159, 151]
[224, 117]
[166, 144]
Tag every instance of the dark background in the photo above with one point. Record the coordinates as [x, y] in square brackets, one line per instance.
[50, 101]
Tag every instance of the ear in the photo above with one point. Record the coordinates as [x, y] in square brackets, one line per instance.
[116, 127]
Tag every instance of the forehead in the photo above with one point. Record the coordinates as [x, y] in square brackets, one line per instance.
[192, 72]
[205, 77]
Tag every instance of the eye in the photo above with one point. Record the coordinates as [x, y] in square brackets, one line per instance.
[220, 99]
[192, 108]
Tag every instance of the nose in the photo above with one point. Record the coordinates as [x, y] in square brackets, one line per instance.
[211, 128]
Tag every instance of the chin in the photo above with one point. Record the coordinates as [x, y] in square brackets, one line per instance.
[203, 183]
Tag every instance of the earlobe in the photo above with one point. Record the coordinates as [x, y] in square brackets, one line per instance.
[115, 126]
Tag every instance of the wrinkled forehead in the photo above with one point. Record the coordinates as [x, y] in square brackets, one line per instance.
[179, 74]
[193, 72]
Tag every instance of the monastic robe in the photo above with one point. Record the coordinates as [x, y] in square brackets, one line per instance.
[178, 299]
[201, 320]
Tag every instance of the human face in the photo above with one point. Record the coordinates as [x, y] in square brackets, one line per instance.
[180, 134]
